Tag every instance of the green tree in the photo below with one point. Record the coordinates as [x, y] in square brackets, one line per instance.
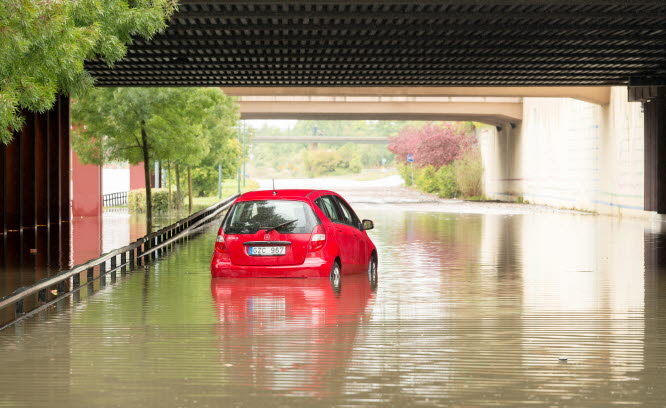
[212, 119]
[44, 44]
[140, 124]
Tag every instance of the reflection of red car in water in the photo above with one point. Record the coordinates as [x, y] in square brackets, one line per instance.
[291, 335]
[293, 233]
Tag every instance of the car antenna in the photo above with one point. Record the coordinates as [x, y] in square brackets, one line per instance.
[274, 192]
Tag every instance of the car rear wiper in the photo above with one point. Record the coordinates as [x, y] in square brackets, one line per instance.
[280, 225]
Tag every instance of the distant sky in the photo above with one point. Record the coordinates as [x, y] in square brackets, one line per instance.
[280, 123]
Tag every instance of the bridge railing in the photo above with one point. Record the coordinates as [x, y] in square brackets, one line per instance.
[29, 300]
[113, 199]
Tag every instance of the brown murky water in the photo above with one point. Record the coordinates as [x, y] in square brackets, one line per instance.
[470, 310]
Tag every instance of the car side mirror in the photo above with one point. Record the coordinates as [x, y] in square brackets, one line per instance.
[368, 225]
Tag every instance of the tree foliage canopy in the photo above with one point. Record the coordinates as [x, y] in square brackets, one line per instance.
[184, 125]
[435, 144]
[44, 44]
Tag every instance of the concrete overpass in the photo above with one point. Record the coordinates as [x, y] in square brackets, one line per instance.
[593, 94]
[319, 139]
[490, 110]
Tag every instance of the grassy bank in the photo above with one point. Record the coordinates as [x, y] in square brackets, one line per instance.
[229, 188]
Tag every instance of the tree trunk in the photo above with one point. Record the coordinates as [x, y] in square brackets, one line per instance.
[146, 172]
[189, 189]
[178, 191]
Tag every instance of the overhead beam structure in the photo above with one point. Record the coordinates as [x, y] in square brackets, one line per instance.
[399, 43]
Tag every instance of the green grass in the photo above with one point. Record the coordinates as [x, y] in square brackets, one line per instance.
[229, 188]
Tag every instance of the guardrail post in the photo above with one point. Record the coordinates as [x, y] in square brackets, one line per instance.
[18, 310]
[139, 251]
[123, 262]
[41, 296]
[91, 274]
[76, 280]
[146, 247]
[113, 269]
[102, 274]
[61, 287]
[131, 258]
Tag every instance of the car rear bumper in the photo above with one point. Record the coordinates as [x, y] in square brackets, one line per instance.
[221, 267]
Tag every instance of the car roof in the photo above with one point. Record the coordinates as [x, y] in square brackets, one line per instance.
[280, 194]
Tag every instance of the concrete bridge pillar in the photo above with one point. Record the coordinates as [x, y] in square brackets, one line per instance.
[654, 111]
[500, 151]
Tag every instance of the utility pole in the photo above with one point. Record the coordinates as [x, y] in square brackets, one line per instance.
[156, 175]
[239, 165]
[244, 153]
[219, 181]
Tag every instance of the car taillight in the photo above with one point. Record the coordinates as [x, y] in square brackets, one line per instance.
[317, 239]
[220, 246]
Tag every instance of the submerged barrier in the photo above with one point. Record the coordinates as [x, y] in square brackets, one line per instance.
[50, 290]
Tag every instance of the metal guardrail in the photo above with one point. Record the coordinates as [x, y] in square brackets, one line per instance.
[109, 200]
[141, 251]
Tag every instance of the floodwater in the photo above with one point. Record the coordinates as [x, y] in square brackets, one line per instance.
[27, 257]
[470, 310]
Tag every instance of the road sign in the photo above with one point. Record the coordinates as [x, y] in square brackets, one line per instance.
[410, 158]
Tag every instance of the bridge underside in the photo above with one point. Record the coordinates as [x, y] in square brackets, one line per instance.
[396, 47]
[495, 111]
[399, 47]
[401, 43]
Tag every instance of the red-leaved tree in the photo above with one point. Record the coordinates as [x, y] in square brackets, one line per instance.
[436, 144]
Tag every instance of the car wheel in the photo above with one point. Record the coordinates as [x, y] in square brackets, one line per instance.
[336, 277]
[372, 272]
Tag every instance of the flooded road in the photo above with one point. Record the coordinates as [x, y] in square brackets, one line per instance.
[27, 257]
[547, 309]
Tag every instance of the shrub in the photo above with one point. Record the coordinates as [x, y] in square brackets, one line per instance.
[426, 179]
[469, 173]
[136, 200]
[318, 162]
[447, 187]
[355, 165]
[405, 171]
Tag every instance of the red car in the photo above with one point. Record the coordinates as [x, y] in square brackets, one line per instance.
[293, 233]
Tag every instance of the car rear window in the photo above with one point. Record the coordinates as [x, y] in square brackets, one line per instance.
[248, 217]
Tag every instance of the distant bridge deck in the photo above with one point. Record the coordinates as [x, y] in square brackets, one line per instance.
[490, 110]
[320, 139]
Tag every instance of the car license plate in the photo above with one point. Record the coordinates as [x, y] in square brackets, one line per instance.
[267, 250]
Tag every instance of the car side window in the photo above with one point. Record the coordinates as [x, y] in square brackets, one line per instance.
[348, 214]
[325, 203]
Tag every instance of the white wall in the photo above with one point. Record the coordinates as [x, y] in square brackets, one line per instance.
[115, 180]
[569, 153]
